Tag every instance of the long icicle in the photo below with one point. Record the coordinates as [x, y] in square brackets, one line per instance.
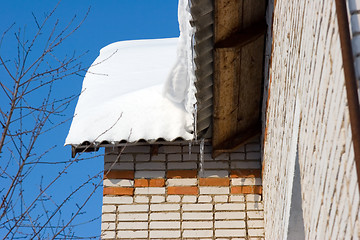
[202, 143]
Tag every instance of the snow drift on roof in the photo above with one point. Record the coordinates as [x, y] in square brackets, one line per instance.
[122, 96]
[141, 89]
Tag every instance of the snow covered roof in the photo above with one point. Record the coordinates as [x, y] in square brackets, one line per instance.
[139, 90]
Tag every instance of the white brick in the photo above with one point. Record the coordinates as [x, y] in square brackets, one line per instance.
[230, 233]
[256, 232]
[253, 147]
[117, 200]
[111, 158]
[142, 157]
[254, 206]
[107, 234]
[133, 208]
[159, 157]
[132, 225]
[119, 166]
[230, 224]
[197, 216]
[164, 207]
[240, 149]
[157, 199]
[132, 234]
[150, 166]
[141, 199]
[190, 157]
[237, 198]
[229, 215]
[204, 199]
[253, 197]
[110, 217]
[237, 156]
[171, 149]
[165, 234]
[229, 206]
[164, 225]
[223, 156]
[107, 226]
[108, 209]
[193, 148]
[354, 5]
[149, 174]
[197, 233]
[255, 223]
[137, 149]
[118, 183]
[214, 174]
[165, 216]
[182, 182]
[355, 20]
[216, 165]
[173, 198]
[149, 190]
[208, 157]
[126, 158]
[253, 155]
[182, 165]
[197, 207]
[221, 198]
[245, 164]
[246, 181]
[174, 157]
[214, 190]
[132, 217]
[197, 225]
[189, 199]
[255, 214]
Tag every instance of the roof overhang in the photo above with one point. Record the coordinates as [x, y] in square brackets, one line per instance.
[239, 36]
[229, 54]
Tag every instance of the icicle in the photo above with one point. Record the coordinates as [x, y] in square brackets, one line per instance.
[189, 150]
[202, 143]
[195, 122]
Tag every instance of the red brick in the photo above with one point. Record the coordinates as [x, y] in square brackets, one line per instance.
[149, 182]
[141, 183]
[119, 174]
[157, 182]
[118, 191]
[214, 182]
[182, 190]
[182, 174]
[245, 173]
[246, 190]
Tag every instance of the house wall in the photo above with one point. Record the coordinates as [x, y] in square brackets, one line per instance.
[307, 117]
[154, 193]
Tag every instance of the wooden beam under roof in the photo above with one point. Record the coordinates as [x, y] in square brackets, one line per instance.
[239, 32]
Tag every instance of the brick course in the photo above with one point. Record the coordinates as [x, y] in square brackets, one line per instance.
[175, 199]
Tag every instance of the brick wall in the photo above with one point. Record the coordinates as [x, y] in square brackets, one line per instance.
[306, 91]
[155, 193]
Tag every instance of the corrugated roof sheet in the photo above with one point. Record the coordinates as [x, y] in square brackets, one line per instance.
[202, 12]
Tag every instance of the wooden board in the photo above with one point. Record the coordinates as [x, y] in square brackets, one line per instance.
[238, 74]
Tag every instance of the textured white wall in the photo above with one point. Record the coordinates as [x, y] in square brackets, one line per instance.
[167, 196]
[306, 69]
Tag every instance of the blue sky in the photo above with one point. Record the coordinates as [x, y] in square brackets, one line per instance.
[108, 21]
